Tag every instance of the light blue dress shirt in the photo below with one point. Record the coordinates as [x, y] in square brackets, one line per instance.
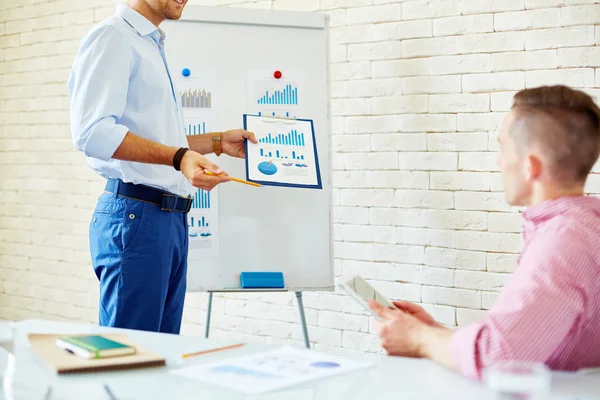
[120, 82]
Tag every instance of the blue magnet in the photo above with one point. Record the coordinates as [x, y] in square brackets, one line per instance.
[186, 72]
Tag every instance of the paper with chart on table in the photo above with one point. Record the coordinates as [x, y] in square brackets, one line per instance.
[271, 370]
[286, 153]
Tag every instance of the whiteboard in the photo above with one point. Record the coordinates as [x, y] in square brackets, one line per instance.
[274, 229]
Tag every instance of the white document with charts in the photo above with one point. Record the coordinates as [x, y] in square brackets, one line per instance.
[286, 153]
[271, 370]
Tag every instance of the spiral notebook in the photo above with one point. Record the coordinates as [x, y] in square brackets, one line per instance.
[63, 362]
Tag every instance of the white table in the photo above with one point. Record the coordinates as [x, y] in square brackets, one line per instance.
[392, 378]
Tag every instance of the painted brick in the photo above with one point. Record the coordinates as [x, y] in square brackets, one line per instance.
[424, 199]
[426, 84]
[428, 161]
[373, 14]
[580, 15]
[477, 181]
[428, 9]
[459, 259]
[459, 103]
[505, 263]
[463, 64]
[457, 141]
[451, 297]
[493, 82]
[505, 222]
[398, 142]
[464, 24]
[400, 179]
[491, 42]
[465, 317]
[583, 77]
[430, 47]
[525, 20]
[399, 105]
[525, 60]
[396, 68]
[559, 37]
[480, 280]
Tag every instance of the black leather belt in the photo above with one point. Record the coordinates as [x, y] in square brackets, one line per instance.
[165, 200]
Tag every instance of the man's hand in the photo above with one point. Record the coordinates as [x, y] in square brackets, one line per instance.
[400, 332]
[232, 142]
[404, 333]
[193, 166]
[416, 311]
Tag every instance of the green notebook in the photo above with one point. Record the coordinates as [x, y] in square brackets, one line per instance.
[93, 346]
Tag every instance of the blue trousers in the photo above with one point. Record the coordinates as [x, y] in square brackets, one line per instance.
[139, 254]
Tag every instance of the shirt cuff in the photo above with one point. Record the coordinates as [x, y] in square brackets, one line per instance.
[104, 145]
[465, 350]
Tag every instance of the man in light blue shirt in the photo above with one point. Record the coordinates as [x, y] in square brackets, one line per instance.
[126, 118]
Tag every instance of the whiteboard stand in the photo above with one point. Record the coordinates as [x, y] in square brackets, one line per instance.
[298, 298]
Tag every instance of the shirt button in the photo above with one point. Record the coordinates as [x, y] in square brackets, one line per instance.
[131, 216]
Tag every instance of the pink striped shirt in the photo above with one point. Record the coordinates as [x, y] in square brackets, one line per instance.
[549, 310]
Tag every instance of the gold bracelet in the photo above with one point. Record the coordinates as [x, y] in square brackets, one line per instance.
[216, 139]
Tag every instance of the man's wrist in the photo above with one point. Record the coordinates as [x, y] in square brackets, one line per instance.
[178, 157]
[430, 339]
[217, 143]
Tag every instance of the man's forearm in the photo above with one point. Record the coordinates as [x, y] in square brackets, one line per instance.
[137, 149]
[435, 343]
[201, 143]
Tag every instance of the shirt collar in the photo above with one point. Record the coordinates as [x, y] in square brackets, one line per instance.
[552, 208]
[137, 21]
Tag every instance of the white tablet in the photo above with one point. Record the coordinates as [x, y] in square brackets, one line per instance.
[362, 292]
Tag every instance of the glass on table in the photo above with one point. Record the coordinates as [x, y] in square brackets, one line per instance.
[519, 380]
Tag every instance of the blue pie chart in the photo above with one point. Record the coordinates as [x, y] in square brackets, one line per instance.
[267, 168]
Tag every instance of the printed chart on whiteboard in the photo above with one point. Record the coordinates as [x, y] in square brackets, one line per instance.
[270, 96]
[203, 224]
[196, 96]
[286, 153]
[195, 89]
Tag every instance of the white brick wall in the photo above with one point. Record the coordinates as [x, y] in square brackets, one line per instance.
[419, 89]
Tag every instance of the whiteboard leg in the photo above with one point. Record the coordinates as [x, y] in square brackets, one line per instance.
[208, 311]
[303, 319]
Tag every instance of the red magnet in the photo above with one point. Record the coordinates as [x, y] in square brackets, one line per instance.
[277, 74]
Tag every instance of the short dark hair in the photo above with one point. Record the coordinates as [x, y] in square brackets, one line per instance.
[565, 123]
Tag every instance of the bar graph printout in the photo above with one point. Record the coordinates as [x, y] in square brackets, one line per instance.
[196, 95]
[203, 224]
[269, 96]
[286, 153]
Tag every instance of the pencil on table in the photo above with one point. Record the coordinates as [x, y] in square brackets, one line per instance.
[233, 346]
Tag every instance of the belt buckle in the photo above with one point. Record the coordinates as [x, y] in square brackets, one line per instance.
[189, 205]
[166, 196]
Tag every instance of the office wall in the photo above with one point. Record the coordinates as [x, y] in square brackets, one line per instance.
[419, 91]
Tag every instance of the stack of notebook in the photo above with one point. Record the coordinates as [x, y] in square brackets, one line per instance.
[64, 362]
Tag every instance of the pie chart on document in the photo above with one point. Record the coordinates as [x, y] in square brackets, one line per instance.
[267, 168]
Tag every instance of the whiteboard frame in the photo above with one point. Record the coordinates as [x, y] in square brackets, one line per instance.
[277, 19]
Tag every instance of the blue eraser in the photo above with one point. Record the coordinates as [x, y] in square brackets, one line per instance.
[186, 72]
[261, 280]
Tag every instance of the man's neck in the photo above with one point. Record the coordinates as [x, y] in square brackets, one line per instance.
[143, 8]
[550, 192]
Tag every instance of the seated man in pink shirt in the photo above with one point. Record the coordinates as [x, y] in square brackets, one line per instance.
[549, 310]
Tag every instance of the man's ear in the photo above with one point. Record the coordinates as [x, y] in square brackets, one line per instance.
[533, 167]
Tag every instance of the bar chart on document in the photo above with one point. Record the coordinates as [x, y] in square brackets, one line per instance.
[203, 222]
[268, 96]
[286, 153]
